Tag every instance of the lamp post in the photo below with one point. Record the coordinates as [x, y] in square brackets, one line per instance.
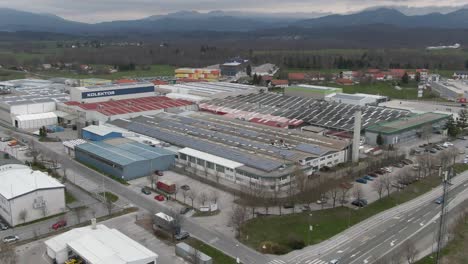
[310, 228]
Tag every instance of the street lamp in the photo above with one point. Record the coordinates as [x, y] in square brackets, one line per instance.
[310, 228]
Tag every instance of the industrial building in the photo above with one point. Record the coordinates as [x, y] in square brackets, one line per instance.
[233, 67]
[278, 110]
[89, 113]
[266, 69]
[356, 99]
[406, 129]
[34, 192]
[198, 74]
[32, 103]
[98, 244]
[311, 91]
[99, 133]
[93, 82]
[451, 89]
[99, 93]
[239, 152]
[124, 158]
[200, 91]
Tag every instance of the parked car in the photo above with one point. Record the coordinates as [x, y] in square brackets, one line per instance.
[10, 239]
[361, 180]
[359, 202]
[288, 206]
[3, 226]
[398, 165]
[381, 172]
[185, 187]
[433, 150]
[462, 138]
[182, 235]
[369, 178]
[146, 191]
[373, 174]
[334, 261]
[465, 161]
[305, 208]
[185, 210]
[439, 200]
[159, 173]
[159, 197]
[59, 224]
[448, 144]
[387, 169]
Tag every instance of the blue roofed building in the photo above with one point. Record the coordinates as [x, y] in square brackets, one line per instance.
[124, 158]
[99, 133]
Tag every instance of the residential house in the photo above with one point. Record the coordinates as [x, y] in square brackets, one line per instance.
[460, 75]
[280, 83]
[342, 81]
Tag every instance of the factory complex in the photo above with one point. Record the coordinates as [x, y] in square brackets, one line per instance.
[238, 134]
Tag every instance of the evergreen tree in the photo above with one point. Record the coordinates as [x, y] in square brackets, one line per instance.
[405, 78]
[418, 77]
[462, 121]
[379, 140]
[248, 70]
[452, 128]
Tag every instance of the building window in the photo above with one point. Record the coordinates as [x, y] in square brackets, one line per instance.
[322, 159]
[210, 165]
[192, 159]
[183, 156]
[219, 168]
[201, 162]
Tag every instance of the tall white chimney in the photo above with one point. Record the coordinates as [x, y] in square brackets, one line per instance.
[93, 223]
[356, 136]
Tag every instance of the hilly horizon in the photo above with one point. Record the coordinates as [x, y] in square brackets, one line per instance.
[192, 21]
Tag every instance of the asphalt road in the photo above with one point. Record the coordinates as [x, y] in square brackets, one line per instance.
[218, 240]
[376, 237]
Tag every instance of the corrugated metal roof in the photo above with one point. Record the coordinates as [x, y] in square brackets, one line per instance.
[36, 116]
[211, 158]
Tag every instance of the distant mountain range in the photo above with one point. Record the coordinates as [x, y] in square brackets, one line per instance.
[221, 21]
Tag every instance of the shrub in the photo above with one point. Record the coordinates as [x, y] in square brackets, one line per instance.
[295, 242]
[269, 247]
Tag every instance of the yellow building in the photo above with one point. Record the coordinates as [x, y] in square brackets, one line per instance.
[197, 74]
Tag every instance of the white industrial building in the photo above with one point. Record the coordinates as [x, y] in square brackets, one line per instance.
[98, 244]
[356, 99]
[100, 93]
[24, 190]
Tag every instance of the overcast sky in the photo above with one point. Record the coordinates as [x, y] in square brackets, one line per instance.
[106, 10]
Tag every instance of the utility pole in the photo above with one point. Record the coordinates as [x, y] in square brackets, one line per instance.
[443, 212]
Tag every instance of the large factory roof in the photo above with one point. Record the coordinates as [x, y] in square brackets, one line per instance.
[19, 180]
[251, 146]
[126, 106]
[123, 151]
[406, 123]
[295, 110]
[116, 86]
[209, 89]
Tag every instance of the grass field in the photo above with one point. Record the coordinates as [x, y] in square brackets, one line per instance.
[218, 256]
[327, 223]
[69, 198]
[112, 197]
[155, 70]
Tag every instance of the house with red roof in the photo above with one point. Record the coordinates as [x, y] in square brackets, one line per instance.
[280, 83]
[342, 81]
[296, 76]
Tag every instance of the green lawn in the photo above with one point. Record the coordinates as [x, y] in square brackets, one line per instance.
[218, 256]
[69, 198]
[113, 198]
[6, 75]
[327, 223]
[155, 70]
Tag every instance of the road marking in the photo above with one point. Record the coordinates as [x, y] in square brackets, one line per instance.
[353, 255]
[393, 242]
[277, 261]
[212, 241]
[411, 219]
[367, 259]
[396, 217]
[421, 224]
[424, 215]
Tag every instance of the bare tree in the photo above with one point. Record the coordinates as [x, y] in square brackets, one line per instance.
[343, 195]
[357, 192]
[378, 186]
[176, 190]
[202, 198]
[184, 194]
[333, 193]
[108, 203]
[214, 196]
[238, 217]
[192, 196]
[387, 182]
[426, 133]
[152, 180]
[23, 215]
[64, 177]
[177, 221]
[301, 179]
[410, 251]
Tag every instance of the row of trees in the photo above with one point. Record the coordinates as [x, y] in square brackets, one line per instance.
[456, 126]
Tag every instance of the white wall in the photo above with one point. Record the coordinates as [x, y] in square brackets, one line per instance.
[54, 200]
[37, 123]
[32, 108]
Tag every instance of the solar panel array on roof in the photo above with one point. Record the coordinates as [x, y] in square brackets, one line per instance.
[211, 148]
[312, 111]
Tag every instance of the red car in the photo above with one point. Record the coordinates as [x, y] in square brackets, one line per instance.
[159, 197]
[59, 224]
